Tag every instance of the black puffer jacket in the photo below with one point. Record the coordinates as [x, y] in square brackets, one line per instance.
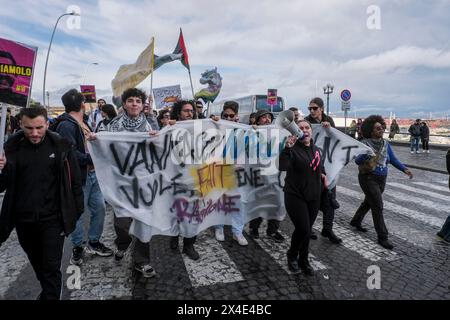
[70, 188]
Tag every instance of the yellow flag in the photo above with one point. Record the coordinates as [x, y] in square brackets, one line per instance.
[130, 75]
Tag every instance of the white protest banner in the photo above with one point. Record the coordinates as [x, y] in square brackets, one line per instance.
[166, 96]
[198, 173]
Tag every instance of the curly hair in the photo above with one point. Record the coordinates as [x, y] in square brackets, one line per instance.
[368, 124]
[176, 109]
[134, 92]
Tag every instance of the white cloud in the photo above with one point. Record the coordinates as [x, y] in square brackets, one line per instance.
[289, 45]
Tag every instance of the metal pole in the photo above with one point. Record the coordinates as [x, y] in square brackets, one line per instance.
[192, 87]
[328, 102]
[345, 120]
[48, 52]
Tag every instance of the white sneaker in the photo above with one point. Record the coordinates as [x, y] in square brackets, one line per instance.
[428, 151]
[219, 235]
[240, 239]
[417, 152]
[412, 152]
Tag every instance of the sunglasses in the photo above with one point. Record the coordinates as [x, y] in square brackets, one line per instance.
[227, 115]
[313, 108]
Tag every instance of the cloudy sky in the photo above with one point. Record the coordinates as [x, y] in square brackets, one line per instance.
[399, 63]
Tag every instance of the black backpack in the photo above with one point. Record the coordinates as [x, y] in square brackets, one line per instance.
[55, 124]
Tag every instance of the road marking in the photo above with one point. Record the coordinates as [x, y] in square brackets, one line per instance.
[430, 220]
[443, 182]
[420, 191]
[102, 278]
[278, 250]
[403, 197]
[12, 261]
[433, 186]
[409, 234]
[214, 265]
[362, 246]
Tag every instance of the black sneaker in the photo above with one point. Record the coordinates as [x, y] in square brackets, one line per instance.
[254, 233]
[99, 249]
[306, 268]
[77, 255]
[119, 254]
[276, 236]
[331, 236]
[386, 244]
[146, 270]
[292, 263]
[358, 226]
[189, 250]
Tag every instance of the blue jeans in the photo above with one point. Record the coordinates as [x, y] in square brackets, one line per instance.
[414, 143]
[237, 224]
[445, 230]
[94, 201]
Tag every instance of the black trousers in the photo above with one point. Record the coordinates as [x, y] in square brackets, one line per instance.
[302, 214]
[43, 243]
[141, 252]
[327, 209]
[272, 225]
[425, 145]
[373, 188]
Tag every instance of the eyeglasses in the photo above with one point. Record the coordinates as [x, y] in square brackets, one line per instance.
[229, 115]
[313, 108]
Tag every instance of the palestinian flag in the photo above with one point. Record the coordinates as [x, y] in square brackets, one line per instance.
[181, 48]
[180, 53]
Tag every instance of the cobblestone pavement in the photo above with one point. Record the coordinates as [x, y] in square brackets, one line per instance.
[417, 268]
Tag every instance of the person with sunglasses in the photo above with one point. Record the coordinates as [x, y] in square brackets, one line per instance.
[199, 108]
[163, 118]
[230, 113]
[372, 176]
[328, 198]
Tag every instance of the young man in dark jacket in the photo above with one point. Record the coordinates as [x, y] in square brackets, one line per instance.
[72, 126]
[415, 131]
[44, 196]
[328, 198]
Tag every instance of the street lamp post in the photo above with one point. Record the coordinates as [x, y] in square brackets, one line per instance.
[50, 46]
[48, 101]
[328, 89]
[85, 69]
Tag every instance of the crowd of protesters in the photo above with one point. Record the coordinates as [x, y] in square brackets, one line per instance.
[51, 185]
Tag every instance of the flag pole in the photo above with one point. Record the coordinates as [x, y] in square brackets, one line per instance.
[192, 87]
[150, 97]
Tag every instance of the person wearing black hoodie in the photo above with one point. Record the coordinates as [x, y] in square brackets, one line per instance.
[43, 198]
[329, 203]
[304, 182]
[72, 126]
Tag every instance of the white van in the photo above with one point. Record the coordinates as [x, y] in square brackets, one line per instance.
[248, 105]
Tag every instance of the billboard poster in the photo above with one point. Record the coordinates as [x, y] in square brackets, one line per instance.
[166, 96]
[88, 91]
[16, 72]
